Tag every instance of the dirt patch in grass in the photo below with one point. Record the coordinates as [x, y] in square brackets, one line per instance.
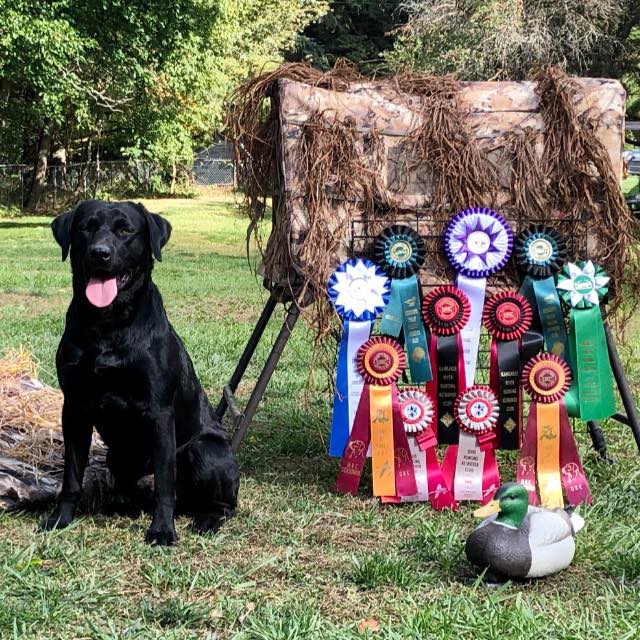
[32, 303]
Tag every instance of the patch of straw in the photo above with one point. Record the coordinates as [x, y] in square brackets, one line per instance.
[29, 413]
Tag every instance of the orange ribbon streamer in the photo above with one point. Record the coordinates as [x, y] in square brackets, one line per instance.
[382, 452]
[548, 463]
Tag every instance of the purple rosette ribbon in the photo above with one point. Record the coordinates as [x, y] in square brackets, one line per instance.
[478, 243]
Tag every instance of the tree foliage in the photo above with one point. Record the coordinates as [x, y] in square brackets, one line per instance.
[505, 39]
[144, 78]
[357, 30]
[481, 39]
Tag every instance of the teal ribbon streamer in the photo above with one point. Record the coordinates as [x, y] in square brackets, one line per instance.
[403, 312]
[543, 295]
[391, 323]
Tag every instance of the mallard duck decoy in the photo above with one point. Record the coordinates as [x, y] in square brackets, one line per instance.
[520, 541]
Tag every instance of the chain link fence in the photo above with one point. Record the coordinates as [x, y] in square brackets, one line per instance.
[214, 172]
[78, 181]
[69, 183]
[12, 185]
[214, 166]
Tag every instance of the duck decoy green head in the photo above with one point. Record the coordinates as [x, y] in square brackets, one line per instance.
[510, 502]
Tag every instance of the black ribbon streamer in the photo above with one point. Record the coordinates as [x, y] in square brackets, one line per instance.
[448, 351]
[508, 389]
[511, 357]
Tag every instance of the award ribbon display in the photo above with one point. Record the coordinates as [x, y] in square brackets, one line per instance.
[380, 361]
[478, 243]
[540, 253]
[471, 467]
[445, 311]
[549, 452]
[507, 316]
[582, 286]
[400, 251]
[359, 291]
[417, 411]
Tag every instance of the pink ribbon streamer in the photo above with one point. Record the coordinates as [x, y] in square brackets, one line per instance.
[355, 452]
[440, 494]
[526, 474]
[574, 480]
[490, 475]
[405, 477]
[449, 465]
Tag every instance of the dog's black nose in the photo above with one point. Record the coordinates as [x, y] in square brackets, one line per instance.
[101, 253]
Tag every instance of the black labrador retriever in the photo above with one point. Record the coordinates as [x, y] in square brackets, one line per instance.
[123, 369]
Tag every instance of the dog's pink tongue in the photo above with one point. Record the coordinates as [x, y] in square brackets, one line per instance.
[101, 293]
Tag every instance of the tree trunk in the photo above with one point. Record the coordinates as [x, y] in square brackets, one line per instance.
[39, 171]
[174, 171]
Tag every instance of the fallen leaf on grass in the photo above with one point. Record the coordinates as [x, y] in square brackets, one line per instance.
[249, 607]
[369, 625]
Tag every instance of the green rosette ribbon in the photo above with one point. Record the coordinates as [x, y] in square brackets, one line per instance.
[582, 286]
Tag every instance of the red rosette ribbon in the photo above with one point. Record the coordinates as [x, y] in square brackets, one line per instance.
[470, 468]
[476, 411]
[446, 310]
[507, 315]
[547, 378]
[416, 408]
[418, 416]
[381, 361]
[549, 453]
[417, 411]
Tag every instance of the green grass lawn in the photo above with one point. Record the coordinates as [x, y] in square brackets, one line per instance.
[298, 561]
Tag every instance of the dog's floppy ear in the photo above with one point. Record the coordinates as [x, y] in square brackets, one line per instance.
[61, 227]
[159, 231]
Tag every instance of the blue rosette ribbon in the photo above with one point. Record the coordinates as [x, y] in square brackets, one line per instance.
[359, 291]
[401, 251]
[478, 243]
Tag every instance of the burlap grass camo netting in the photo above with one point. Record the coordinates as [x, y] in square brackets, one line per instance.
[31, 445]
[343, 156]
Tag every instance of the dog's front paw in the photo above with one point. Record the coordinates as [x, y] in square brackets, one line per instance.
[59, 519]
[164, 536]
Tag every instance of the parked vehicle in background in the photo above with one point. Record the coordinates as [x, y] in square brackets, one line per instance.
[631, 184]
[632, 161]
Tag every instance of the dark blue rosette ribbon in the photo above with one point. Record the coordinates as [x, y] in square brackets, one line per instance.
[359, 291]
[478, 243]
[401, 251]
[541, 253]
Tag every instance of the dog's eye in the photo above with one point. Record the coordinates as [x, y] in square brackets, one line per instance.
[124, 231]
[89, 226]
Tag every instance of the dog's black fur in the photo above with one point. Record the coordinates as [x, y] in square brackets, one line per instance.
[124, 370]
